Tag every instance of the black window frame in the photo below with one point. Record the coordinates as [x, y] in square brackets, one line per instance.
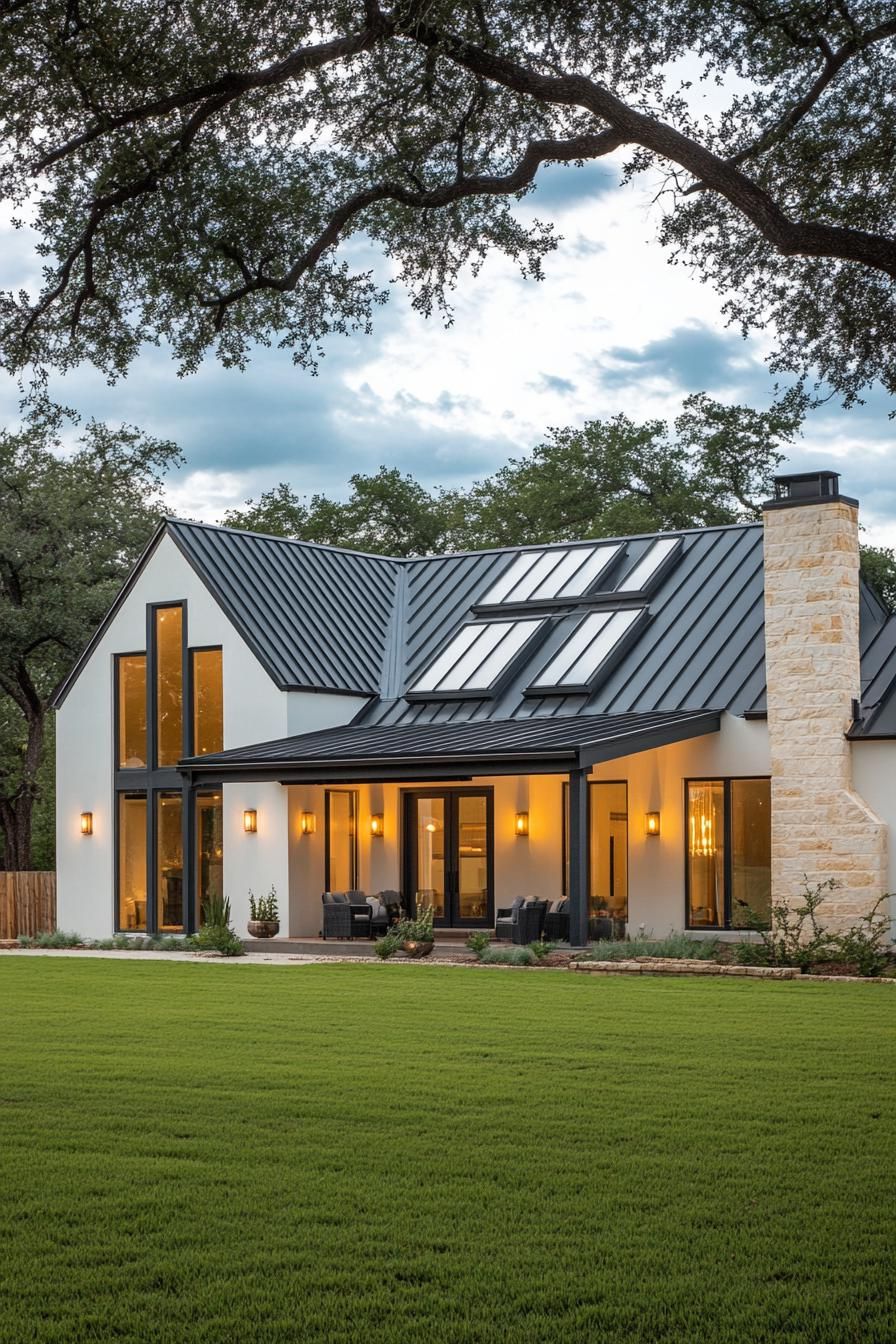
[192, 650]
[355, 864]
[726, 781]
[154, 780]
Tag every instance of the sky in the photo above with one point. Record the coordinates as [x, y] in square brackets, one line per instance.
[611, 328]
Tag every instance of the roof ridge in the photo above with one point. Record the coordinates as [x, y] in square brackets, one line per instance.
[170, 520]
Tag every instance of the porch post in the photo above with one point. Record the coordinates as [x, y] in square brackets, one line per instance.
[579, 836]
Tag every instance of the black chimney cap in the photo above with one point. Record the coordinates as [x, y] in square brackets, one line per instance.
[807, 487]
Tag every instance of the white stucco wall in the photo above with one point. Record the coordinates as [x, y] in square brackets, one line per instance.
[254, 711]
[532, 865]
[874, 776]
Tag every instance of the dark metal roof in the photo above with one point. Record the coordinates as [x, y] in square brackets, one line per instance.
[522, 744]
[879, 684]
[325, 619]
[318, 618]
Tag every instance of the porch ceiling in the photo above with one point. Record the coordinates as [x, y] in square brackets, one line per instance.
[430, 751]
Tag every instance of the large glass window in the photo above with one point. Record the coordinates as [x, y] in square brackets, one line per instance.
[751, 851]
[169, 686]
[728, 852]
[608, 820]
[208, 701]
[131, 862]
[706, 854]
[209, 850]
[342, 840]
[131, 730]
[169, 862]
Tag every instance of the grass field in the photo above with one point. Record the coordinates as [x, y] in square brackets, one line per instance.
[417, 1154]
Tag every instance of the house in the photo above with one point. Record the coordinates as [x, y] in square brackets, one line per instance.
[669, 729]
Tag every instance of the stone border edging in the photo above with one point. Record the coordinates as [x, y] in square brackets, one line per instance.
[669, 966]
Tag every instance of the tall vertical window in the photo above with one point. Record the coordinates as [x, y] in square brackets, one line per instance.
[169, 685]
[209, 850]
[168, 703]
[608, 821]
[131, 862]
[342, 840]
[131, 702]
[728, 836]
[207, 678]
[169, 865]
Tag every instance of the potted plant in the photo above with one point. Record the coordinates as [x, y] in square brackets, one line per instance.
[417, 938]
[264, 919]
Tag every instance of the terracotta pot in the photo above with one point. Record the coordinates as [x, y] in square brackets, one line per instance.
[414, 949]
[264, 928]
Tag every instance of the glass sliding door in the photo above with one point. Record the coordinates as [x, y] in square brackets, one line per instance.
[341, 872]
[608, 805]
[429, 866]
[449, 855]
[608, 847]
[472, 857]
[729, 853]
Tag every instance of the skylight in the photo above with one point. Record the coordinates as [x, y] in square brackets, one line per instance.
[647, 570]
[594, 645]
[477, 658]
[557, 573]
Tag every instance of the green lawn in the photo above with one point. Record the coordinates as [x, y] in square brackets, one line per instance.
[416, 1154]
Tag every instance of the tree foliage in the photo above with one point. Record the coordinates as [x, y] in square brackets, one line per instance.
[194, 170]
[71, 526]
[714, 465]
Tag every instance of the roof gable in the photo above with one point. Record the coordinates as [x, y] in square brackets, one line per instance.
[319, 618]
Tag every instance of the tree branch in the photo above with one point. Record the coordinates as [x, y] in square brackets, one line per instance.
[232, 85]
[537, 153]
[788, 237]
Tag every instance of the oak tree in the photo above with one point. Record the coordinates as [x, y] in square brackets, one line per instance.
[194, 170]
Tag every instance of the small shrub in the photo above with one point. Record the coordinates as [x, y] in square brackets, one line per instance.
[508, 956]
[264, 907]
[479, 942]
[388, 945]
[866, 944]
[58, 938]
[675, 946]
[216, 913]
[540, 949]
[750, 954]
[216, 934]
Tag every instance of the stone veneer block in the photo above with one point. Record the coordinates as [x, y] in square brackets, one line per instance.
[821, 827]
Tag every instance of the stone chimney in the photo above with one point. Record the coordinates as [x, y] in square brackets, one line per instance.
[820, 826]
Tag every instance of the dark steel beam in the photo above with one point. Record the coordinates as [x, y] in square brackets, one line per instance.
[579, 859]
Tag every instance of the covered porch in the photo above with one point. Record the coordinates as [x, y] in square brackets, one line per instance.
[468, 816]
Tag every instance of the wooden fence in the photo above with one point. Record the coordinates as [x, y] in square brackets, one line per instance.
[27, 903]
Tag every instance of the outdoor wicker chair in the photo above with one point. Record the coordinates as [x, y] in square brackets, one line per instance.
[529, 922]
[346, 913]
[506, 917]
[556, 922]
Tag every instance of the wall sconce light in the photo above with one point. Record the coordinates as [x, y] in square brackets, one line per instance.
[250, 821]
[376, 825]
[307, 823]
[87, 823]
[652, 823]
[521, 823]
